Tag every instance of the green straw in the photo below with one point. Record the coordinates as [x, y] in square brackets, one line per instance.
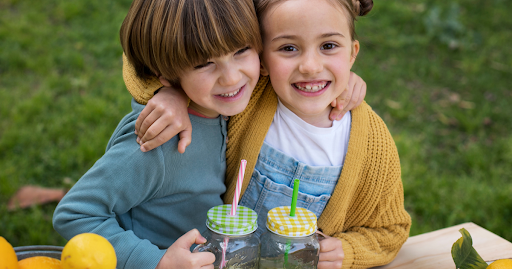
[292, 214]
[294, 197]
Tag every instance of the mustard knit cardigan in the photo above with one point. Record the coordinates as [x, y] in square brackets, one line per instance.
[366, 210]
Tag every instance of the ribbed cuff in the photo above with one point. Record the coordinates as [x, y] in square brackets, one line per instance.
[348, 250]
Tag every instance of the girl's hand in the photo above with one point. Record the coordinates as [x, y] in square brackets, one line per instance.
[331, 252]
[350, 98]
[178, 255]
[164, 116]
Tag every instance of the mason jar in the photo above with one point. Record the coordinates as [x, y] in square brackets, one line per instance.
[290, 242]
[231, 238]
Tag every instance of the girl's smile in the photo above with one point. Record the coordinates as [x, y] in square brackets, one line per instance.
[313, 88]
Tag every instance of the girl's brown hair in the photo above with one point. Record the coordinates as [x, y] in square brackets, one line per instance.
[165, 37]
[353, 8]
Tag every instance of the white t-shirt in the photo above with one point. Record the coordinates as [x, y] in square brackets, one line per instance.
[309, 144]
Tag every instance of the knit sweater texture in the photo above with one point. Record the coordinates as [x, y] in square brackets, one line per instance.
[366, 210]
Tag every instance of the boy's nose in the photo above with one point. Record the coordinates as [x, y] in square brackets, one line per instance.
[310, 64]
[230, 77]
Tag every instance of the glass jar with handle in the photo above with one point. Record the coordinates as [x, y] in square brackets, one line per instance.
[291, 240]
[231, 237]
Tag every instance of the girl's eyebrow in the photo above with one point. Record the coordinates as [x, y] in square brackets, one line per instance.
[284, 37]
[295, 37]
[331, 34]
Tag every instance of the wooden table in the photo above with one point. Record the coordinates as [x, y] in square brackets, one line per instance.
[433, 249]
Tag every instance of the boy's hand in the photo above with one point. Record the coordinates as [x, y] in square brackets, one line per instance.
[164, 116]
[178, 255]
[350, 98]
[331, 252]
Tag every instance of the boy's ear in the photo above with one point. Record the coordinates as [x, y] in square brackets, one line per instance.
[355, 51]
[263, 69]
[164, 81]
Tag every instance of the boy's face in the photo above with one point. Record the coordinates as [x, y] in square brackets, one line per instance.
[223, 85]
[307, 51]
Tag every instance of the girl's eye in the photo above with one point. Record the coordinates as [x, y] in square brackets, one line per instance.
[202, 65]
[243, 50]
[288, 48]
[328, 46]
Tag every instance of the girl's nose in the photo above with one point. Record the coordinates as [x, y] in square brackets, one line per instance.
[310, 64]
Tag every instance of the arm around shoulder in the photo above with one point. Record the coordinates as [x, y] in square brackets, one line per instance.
[141, 89]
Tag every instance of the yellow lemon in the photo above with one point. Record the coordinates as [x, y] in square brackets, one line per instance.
[39, 262]
[501, 264]
[88, 250]
[8, 257]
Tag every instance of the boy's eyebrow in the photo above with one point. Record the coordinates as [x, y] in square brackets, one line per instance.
[295, 37]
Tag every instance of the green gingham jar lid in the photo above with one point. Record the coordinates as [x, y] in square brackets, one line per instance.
[220, 221]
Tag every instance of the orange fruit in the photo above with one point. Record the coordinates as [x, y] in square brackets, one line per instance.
[8, 258]
[88, 250]
[39, 262]
[501, 264]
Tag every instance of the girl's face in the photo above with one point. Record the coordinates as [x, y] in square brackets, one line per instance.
[223, 85]
[308, 53]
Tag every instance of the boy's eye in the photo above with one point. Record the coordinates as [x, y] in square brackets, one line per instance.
[288, 48]
[243, 50]
[328, 46]
[202, 65]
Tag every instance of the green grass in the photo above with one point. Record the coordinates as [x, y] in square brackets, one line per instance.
[438, 73]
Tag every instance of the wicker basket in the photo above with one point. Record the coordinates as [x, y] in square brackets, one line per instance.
[31, 251]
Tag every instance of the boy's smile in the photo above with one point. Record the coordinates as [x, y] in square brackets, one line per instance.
[308, 53]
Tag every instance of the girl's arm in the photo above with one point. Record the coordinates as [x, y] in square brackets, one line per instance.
[164, 116]
[377, 225]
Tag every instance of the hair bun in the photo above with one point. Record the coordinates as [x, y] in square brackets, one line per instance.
[362, 7]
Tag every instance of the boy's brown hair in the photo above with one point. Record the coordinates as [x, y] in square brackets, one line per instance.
[165, 37]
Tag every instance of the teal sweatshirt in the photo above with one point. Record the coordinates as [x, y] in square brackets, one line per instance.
[143, 202]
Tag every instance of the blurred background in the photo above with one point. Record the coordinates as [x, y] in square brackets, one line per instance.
[438, 72]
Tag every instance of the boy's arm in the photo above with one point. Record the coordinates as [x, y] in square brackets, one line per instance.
[350, 98]
[117, 182]
[165, 114]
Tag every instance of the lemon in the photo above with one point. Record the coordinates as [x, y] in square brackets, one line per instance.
[39, 262]
[501, 264]
[8, 256]
[88, 250]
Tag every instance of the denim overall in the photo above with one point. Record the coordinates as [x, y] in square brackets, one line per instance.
[271, 184]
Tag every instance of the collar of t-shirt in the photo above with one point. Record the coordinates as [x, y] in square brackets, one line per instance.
[195, 113]
[306, 143]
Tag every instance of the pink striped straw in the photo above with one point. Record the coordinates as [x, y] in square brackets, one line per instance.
[239, 180]
[223, 261]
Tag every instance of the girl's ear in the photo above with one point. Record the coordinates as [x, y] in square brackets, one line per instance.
[263, 69]
[164, 81]
[355, 51]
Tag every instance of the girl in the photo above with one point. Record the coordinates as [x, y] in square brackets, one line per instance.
[349, 170]
[141, 202]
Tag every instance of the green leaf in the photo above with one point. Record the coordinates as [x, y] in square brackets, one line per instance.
[464, 255]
